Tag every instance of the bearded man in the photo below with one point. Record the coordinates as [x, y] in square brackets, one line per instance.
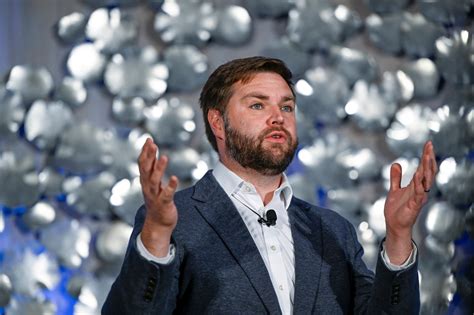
[239, 242]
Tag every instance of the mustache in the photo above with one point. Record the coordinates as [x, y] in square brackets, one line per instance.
[268, 131]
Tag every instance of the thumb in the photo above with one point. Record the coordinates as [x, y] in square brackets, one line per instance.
[395, 176]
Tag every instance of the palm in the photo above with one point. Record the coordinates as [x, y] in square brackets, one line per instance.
[403, 205]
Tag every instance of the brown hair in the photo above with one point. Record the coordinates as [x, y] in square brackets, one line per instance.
[218, 89]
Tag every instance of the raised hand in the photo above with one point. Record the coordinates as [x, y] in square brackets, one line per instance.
[161, 215]
[403, 205]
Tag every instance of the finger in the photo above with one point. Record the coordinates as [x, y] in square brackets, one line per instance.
[159, 167]
[418, 183]
[168, 191]
[427, 173]
[420, 193]
[395, 176]
[147, 157]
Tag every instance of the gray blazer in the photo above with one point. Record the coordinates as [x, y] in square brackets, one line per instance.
[218, 269]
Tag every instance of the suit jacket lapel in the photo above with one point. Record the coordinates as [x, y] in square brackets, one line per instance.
[307, 239]
[218, 210]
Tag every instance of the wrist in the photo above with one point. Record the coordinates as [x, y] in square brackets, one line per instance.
[156, 239]
[398, 247]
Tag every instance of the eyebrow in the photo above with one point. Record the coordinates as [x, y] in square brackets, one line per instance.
[265, 97]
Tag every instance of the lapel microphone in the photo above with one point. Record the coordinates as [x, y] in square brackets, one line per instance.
[271, 218]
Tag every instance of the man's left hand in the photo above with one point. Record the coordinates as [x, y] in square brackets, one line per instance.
[403, 205]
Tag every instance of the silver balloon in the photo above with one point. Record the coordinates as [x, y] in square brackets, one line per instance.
[307, 131]
[387, 6]
[297, 60]
[128, 110]
[440, 253]
[370, 243]
[269, 8]
[171, 122]
[455, 180]
[446, 11]
[50, 182]
[234, 26]
[453, 131]
[409, 167]
[397, 86]
[385, 32]
[40, 215]
[111, 30]
[72, 247]
[353, 64]
[136, 73]
[362, 164]
[185, 22]
[5, 290]
[30, 273]
[349, 19]
[125, 154]
[11, 111]
[92, 294]
[45, 122]
[83, 149]
[71, 91]
[312, 30]
[112, 241]
[376, 217]
[347, 202]
[126, 198]
[425, 77]
[304, 187]
[321, 164]
[454, 57]
[30, 81]
[188, 68]
[186, 164]
[444, 222]
[369, 107]
[18, 178]
[105, 3]
[90, 196]
[419, 35]
[469, 221]
[31, 306]
[436, 301]
[322, 95]
[85, 62]
[70, 28]
[410, 130]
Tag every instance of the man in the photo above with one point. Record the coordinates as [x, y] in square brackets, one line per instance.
[215, 248]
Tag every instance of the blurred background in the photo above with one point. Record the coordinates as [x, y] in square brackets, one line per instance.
[83, 83]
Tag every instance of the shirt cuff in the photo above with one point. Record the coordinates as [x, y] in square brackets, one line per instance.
[407, 264]
[150, 257]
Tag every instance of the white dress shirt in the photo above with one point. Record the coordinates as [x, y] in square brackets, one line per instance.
[275, 243]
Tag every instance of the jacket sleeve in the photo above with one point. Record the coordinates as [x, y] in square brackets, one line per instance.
[389, 292]
[143, 287]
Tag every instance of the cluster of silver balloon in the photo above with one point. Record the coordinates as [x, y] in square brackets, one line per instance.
[69, 190]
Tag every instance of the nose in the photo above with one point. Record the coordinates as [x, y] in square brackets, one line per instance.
[276, 117]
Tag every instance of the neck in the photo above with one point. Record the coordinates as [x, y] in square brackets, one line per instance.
[264, 184]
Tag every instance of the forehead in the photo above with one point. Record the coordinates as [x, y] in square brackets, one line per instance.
[262, 82]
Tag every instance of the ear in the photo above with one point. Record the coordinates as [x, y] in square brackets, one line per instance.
[216, 121]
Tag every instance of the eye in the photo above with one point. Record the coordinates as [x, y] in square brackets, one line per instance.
[256, 106]
[287, 108]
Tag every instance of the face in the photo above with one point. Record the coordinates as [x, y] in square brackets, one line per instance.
[260, 124]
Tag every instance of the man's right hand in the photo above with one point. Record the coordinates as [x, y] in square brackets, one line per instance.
[161, 215]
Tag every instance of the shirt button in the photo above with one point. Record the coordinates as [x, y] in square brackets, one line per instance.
[273, 247]
[247, 188]
[280, 287]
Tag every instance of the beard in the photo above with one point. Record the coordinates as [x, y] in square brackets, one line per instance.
[249, 151]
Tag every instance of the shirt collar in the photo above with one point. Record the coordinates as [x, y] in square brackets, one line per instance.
[231, 183]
